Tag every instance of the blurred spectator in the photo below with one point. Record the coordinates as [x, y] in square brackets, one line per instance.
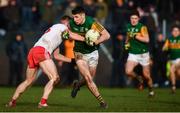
[152, 27]
[16, 52]
[130, 7]
[119, 18]
[149, 21]
[118, 71]
[49, 14]
[2, 33]
[159, 63]
[72, 5]
[62, 7]
[90, 7]
[164, 9]
[36, 13]
[102, 11]
[3, 21]
[4, 3]
[12, 15]
[154, 15]
[27, 15]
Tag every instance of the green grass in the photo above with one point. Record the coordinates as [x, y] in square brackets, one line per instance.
[119, 100]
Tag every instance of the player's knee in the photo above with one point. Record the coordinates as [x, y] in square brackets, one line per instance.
[147, 77]
[88, 79]
[128, 72]
[57, 79]
[28, 81]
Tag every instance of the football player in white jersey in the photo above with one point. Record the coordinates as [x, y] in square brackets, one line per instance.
[40, 57]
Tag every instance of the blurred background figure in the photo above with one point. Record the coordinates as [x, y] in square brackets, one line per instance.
[172, 45]
[48, 14]
[119, 16]
[27, 15]
[159, 63]
[36, 13]
[12, 15]
[72, 5]
[102, 11]
[119, 56]
[90, 7]
[16, 51]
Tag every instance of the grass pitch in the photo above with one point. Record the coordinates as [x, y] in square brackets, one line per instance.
[119, 100]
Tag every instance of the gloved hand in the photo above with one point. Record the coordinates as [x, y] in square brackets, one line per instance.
[65, 35]
[132, 35]
[127, 46]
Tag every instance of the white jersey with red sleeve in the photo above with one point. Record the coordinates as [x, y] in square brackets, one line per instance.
[51, 39]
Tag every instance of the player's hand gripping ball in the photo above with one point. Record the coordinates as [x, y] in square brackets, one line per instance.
[132, 35]
[91, 36]
[127, 46]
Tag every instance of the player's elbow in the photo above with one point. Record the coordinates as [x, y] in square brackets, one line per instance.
[106, 36]
[147, 40]
[56, 56]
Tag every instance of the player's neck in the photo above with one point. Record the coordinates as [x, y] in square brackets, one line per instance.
[83, 21]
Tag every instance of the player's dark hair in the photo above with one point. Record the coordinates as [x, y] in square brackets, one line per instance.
[175, 26]
[135, 12]
[78, 10]
[65, 17]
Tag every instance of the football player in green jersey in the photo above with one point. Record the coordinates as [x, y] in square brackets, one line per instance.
[137, 41]
[172, 44]
[86, 54]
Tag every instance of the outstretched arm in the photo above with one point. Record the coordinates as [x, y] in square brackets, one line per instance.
[60, 57]
[143, 36]
[104, 36]
[76, 36]
[165, 46]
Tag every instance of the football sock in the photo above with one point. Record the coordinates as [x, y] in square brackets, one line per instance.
[150, 89]
[13, 101]
[173, 86]
[43, 101]
[100, 99]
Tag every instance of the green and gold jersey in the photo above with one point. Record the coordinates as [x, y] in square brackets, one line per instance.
[136, 46]
[173, 45]
[89, 23]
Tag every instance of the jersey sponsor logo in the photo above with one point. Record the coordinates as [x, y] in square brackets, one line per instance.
[136, 30]
[133, 30]
[81, 29]
[76, 29]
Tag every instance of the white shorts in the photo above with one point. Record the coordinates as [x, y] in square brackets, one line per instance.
[176, 61]
[143, 59]
[91, 58]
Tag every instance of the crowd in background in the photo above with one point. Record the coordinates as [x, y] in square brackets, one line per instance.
[23, 16]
